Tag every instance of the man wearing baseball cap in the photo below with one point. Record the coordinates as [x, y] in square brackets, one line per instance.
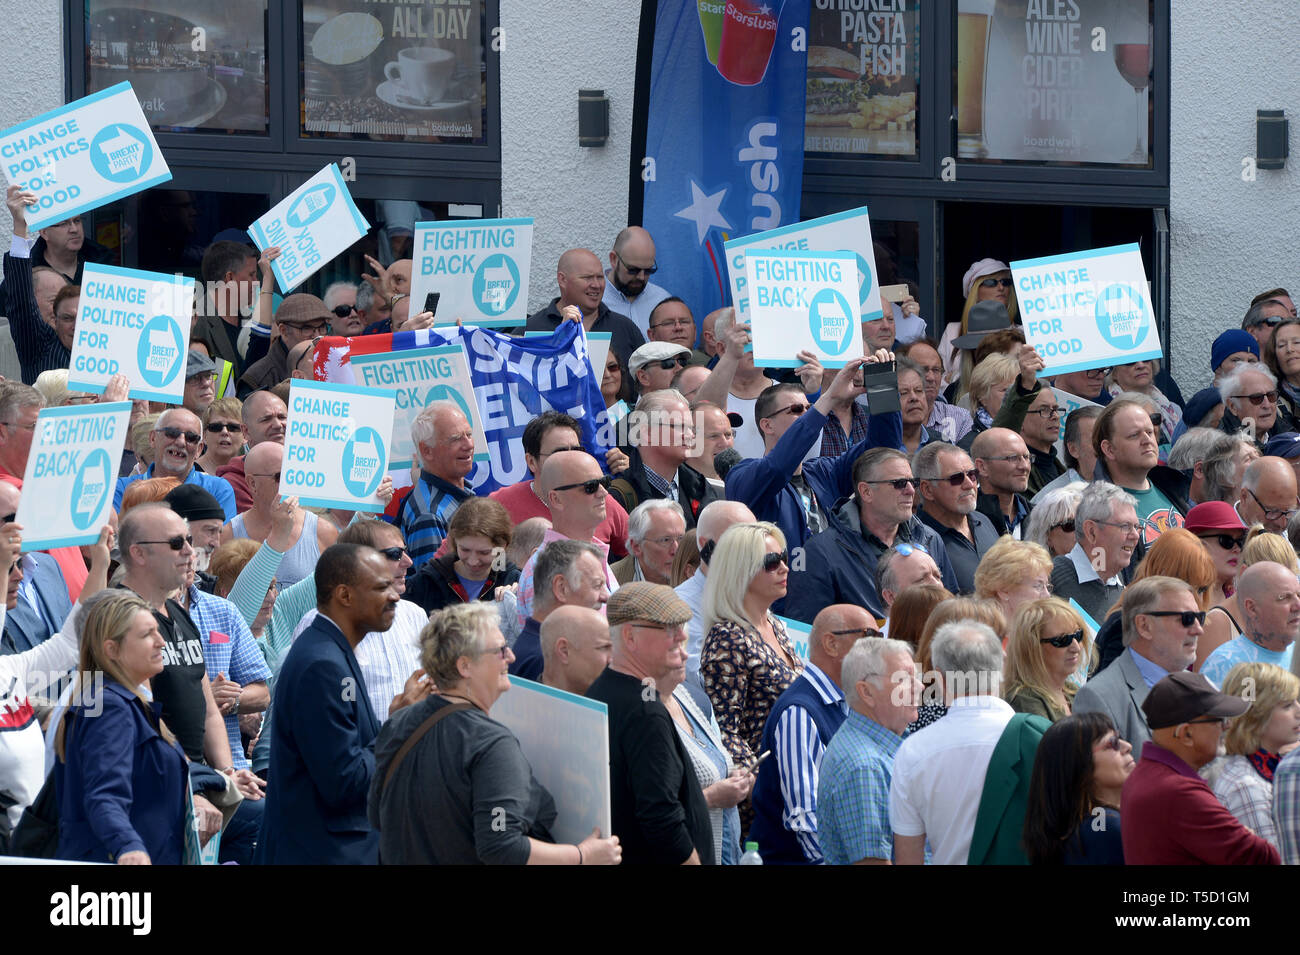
[1171, 817]
[659, 813]
[654, 365]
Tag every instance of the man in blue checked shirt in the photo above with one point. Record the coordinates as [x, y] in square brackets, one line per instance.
[445, 442]
[853, 789]
[801, 723]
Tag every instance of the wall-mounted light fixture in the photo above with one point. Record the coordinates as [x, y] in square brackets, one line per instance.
[593, 118]
[1271, 138]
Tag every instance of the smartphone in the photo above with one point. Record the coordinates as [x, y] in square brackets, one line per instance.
[431, 302]
[880, 380]
[894, 293]
[759, 762]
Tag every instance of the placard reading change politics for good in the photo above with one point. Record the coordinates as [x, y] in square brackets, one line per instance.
[336, 448]
[83, 155]
[311, 225]
[479, 267]
[135, 324]
[803, 301]
[71, 473]
[1087, 309]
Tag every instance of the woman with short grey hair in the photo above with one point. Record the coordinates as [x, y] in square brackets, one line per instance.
[1051, 522]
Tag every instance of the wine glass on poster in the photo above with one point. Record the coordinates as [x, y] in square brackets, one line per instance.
[1133, 60]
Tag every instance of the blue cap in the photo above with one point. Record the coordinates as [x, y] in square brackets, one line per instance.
[1230, 342]
[1283, 446]
[1202, 403]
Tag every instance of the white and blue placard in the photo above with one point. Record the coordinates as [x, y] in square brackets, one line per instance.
[799, 633]
[597, 348]
[1088, 309]
[479, 268]
[71, 473]
[83, 155]
[336, 448]
[565, 739]
[803, 301]
[311, 225]
[136, 324]
[845, 231]
[1068, 403]
[418, 377]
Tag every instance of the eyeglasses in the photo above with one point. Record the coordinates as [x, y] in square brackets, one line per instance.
[898, 484]
[906, 549]
[171, 434]
[276, 475]
[500, 651]
[1018, 458]
[773, 561]
[1067, 526]
[1271, 513]
[636, 271]
[1048, 413]
[1111, 742]
[1226, 541]
[175, 543]
[343, 311]
[1272, 321]
[1259, 397]
[216, 427]
[312, 328]
[793, 410]
[994, 283]
[613, 366]
[959, 478]
[857, 633]
[1063, 640]
[1126, 527]
[66, 319]
[588, 487]
[674, 323]
[393, 553]
[7, 519]
[672, 540]
[1185, 617]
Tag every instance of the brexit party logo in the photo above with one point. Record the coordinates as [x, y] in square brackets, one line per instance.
[121, 153]
[739, 36]
[1121, 316]
[310, 206]
[161, 351]
[496, 284]
[364, 462]
[831, 321]
[91, 488]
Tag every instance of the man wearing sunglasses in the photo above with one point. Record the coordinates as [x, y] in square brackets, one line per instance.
[628, 289]
[1161, 624]
[1171, 816]
[1266, 310]
[655, 364]
[1270, 602]
[949, 492]
[300, 317]
[1250, 405]
[176, 440]
[839, 564]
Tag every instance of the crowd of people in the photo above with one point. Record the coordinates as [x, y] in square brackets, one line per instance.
[966, 631]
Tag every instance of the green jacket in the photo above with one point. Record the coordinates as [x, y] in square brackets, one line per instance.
[1001, 817]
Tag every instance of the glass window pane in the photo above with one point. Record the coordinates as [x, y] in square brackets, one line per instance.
[409, 72]
[863, 78]
[1056, 83]
[194, 64]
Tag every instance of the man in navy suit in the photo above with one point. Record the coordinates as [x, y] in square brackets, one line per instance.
[323, 730]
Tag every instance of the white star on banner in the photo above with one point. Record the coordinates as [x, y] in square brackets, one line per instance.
[704, 211]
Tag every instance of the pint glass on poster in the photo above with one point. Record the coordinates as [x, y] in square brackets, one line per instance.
[711, 25]
[748, 35]
[973, 20]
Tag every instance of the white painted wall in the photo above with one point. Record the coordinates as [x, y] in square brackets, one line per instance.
[578, 195]
[1230, 240]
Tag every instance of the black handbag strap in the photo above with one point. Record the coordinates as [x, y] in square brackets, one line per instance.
[415, 737]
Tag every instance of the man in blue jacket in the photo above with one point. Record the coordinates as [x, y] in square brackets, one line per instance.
[839, 564]
[323, 731]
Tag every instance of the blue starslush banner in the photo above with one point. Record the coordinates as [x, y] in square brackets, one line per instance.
[724, 133]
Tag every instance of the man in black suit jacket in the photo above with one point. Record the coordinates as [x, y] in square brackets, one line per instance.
[323, 731]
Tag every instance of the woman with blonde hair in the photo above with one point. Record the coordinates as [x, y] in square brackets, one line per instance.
[1048, 643]
[987, 612]
[746, 659]
[988, 385]
[1222, 626]
[1256, 741]
[222, 437]
[1014, 572]
[987, 279]
[1176, 553]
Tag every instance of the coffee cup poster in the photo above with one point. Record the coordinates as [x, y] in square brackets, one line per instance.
[413, 72]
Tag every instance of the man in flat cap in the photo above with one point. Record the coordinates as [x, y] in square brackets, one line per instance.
[1171, 816]
[659, 813]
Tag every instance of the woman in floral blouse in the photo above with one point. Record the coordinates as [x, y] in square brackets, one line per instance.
[746, 660]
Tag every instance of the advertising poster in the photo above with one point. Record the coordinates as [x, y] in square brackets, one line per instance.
[405, 71]
[864, 61]
[1054, 81]
[194, 64]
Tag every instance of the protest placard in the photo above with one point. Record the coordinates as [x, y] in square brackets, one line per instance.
[803, 301]
[479, 267]
[1089, 309]
[1068, 403]
[311, 225]
[83, 155]
[70, 475]
[566, 741]
[135, 324]
[845, 231]
[418, 377]
[799, 633]
[336, 446]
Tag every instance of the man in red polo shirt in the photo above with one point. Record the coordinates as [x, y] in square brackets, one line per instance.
[1171, 817]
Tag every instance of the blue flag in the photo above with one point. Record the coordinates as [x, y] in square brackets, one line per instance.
[724, 132]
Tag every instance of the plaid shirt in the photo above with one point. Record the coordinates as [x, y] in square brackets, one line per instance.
[834, 441]
[853, 792]
[237, 656]
[425, 513]
[949, 422]
[1286, 807]
[1247, 795]
[38, 347]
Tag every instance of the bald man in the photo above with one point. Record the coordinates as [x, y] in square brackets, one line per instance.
[714, 520]
[1003, 462]
[628, 289]
[300, 360]
[582, 284]
[1268, 494]
[264, 417]
[708, 333]
[802, 721]
[575, 648]
[1269, 597]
